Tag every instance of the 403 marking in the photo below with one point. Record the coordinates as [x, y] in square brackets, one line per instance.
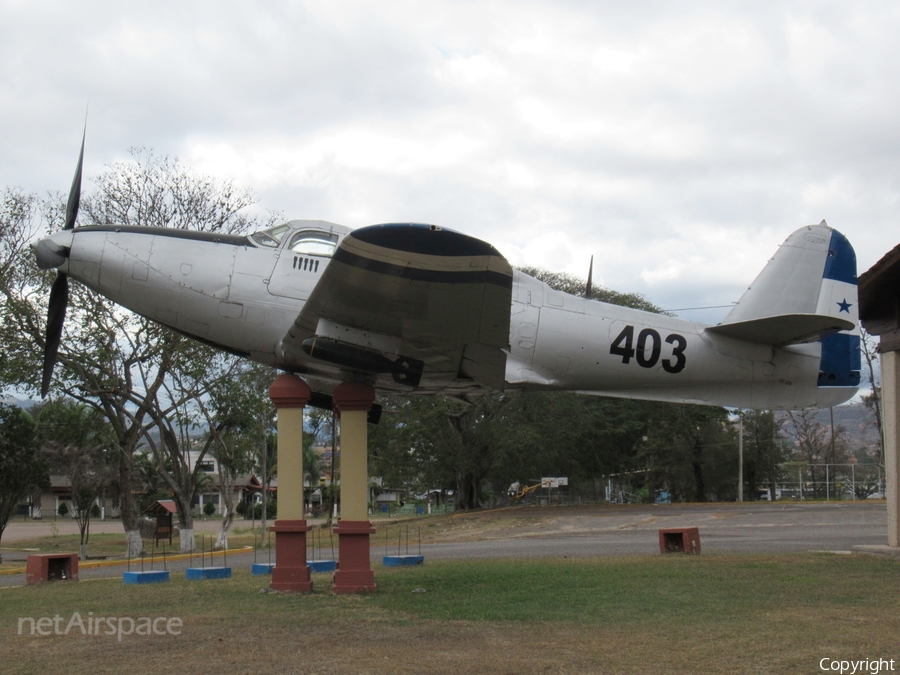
[648, 349]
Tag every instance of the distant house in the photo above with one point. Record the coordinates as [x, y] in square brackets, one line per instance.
[60, 492]
[246, 489]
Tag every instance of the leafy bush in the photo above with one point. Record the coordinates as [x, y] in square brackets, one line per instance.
[271, 510]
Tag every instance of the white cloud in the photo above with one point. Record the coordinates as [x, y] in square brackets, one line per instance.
[679, 144]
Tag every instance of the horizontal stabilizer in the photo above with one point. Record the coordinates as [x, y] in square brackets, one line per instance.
[784, 329]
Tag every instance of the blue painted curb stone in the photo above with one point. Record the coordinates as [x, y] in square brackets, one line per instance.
[321, 565]
[403, 560]
[149, 577]
[195, 573]
[262, 568]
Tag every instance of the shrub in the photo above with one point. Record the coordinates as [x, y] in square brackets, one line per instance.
[271, 510]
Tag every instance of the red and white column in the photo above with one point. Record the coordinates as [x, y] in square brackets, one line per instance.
[352, 400]
[291, 573]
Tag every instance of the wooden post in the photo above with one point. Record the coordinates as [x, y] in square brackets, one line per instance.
[291, 573]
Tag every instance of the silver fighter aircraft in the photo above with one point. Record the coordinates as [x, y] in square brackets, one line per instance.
[418, 309]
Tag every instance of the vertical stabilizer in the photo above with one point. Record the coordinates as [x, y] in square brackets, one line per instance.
[810, 267]
[807, 292]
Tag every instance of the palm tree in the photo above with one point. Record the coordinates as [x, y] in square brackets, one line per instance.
[313, 467]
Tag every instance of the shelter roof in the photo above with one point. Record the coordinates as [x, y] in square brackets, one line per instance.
[162, 506]
[879, 294]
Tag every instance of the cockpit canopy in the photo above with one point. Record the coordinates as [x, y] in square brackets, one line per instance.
[301, 239]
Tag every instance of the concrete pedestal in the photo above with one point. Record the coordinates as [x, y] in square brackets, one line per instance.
[198, 573]
[679, 540]
[291, 573]
[402, 560]
[43, 567]
[148, 577]
[322, 565]
[354, 574]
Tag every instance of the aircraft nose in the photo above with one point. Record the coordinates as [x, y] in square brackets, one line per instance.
[54, 250]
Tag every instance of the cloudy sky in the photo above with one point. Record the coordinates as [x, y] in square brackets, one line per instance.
[679, 143]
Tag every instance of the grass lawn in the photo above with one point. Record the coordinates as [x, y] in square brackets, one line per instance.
[641, 614]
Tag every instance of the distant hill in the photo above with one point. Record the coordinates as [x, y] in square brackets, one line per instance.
[27, 404]
[858, 421]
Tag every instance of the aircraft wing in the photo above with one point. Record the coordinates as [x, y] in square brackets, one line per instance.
[417, 302]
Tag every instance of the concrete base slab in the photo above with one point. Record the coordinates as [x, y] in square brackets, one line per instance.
[197, 573]
[322, 565]
[262, 568]
[876, 549]
[148, 577]
[402, 560]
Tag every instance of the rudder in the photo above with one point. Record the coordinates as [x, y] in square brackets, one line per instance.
[806, 293]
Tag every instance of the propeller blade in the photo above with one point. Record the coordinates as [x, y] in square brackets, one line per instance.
[587, 286]
[52, 255]
[75, 191]
[56, 315]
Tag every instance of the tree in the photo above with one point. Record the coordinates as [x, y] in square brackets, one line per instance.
[21, 469]
[237, 415]
[77, 443]
[692, 451]
[435, 442]
[17, 228]
[569, 283]
[497, 439]
[818, 446]
[872, 400]
[177, 414]
[109, 358]
[764, 450]
[316, 429]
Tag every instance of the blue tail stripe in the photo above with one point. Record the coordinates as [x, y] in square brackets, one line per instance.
[840, 264]
[841, 362]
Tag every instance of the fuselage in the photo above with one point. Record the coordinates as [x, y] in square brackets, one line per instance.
[242, 293]
[559, 341]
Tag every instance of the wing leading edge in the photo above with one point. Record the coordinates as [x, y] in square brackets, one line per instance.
[424, 305]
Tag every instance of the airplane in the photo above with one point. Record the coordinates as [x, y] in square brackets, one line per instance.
[417, 309]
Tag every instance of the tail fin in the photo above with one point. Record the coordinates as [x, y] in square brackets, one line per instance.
[806, 293]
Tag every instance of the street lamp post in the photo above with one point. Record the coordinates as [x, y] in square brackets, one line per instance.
[741, 456]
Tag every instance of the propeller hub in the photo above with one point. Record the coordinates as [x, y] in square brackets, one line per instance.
[54, 250]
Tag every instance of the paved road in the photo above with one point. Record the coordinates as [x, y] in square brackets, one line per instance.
[723, 528]
[605, 531]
